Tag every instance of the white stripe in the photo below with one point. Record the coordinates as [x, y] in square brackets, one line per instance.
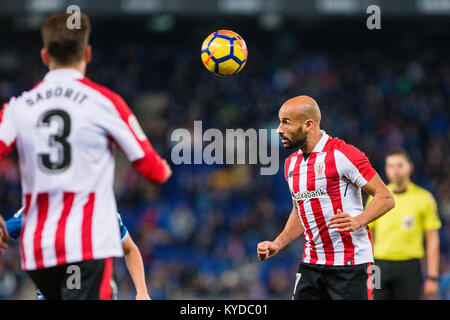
[73, 229]
[49, 232]
[28, 237]
[104, 218]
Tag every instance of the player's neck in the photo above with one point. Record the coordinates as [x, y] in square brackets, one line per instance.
[311, 141]
[401, 186]
[81, 67]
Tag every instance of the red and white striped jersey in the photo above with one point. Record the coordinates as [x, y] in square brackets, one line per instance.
[63, 130]
[330, 178]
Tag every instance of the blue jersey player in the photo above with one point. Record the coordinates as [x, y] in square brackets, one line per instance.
[132, 255]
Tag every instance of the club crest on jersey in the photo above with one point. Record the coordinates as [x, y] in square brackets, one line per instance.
[309, 195]
[319, 168]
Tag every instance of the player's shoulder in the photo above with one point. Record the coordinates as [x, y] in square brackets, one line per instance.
[347, 149]
[102, 91]
[335, 143]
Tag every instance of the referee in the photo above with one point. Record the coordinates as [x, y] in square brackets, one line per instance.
[399, 235]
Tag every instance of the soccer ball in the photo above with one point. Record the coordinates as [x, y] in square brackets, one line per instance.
[224, 52]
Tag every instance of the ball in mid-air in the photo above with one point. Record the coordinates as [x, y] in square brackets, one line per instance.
[224, 52]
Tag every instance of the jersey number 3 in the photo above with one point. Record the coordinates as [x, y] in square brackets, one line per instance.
[58, 141]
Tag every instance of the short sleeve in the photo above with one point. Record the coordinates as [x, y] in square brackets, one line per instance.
[353, 165]
[431, 219]
[121, 126]
[8, 129]
[123, 228]
[14, 225]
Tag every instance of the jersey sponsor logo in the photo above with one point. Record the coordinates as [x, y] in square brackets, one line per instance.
[136, 127]
[309, 194]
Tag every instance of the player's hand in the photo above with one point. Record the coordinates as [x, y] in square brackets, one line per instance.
[430, 288]
[4, 236]
[267, 249]
[343, 222]
[167, 169]
[143, 296]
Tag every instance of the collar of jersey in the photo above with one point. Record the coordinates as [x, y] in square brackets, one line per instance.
[64, 73]
[320, 145]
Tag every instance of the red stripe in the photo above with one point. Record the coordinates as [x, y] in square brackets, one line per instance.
[42, 213]
[105, 287]
[60, 237]
[86, 244]
[318, 213]
[22, 232]
[313, 259]
[296, 188]
[369, 283]
[334, 192]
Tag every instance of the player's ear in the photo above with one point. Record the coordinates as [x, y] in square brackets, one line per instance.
[308, 124]
[411, 168]
[44, 57]
[88, 53]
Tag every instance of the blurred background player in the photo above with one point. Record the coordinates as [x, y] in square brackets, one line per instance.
[3, 235]
[325, 177]
[64, 129]
[399, 236]
[132, 255]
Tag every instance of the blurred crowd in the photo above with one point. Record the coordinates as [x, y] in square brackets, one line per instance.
[198, 233]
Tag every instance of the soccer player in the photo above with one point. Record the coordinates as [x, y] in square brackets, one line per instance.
[325, 177]
[398, 236]
[64, 129]
[133, 257]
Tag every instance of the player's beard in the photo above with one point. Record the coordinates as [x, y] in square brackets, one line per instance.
[295, 142]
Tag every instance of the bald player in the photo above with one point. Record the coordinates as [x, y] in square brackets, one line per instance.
[325, 177]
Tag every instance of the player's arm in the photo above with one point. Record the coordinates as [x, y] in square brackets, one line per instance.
[433, 255]
[292, 230]
[3, 235]
[122, 126]
[431, 225]
[135, 266]
[382, 202]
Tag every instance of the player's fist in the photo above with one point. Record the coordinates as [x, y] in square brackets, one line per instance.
[267, 249]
